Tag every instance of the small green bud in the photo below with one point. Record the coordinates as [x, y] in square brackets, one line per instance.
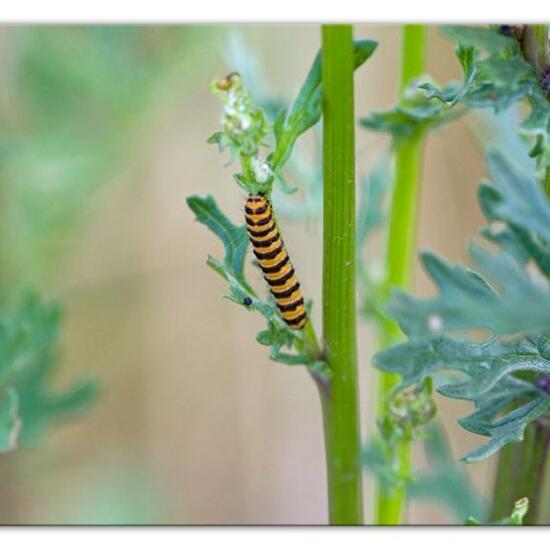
[412, 408]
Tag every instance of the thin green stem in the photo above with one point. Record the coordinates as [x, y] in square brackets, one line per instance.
[546, 182]
[536, 48]
[400, 258]
[521, 473]
[340, 400]
[505, 481]
[311, 343]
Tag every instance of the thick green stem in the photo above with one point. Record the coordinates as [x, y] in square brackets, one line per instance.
[340, 399]
[400, 258]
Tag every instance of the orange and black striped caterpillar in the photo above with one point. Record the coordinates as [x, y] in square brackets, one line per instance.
[273, 258]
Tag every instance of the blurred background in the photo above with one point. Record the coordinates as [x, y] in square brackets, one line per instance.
[102, 137]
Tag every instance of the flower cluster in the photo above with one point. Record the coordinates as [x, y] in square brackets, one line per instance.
[244, 129]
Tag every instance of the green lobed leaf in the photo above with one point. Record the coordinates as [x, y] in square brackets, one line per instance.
[416, 112]
[509, 295]
[480, 37]
[521, 200]
[485, 377]
[278, 335]
[26, 331]
[234, 239]
[39, 407]
[29, 332]
[308, 101]
[498, 80]
[509, 428]
[453, 93]
[506, 299]
[509, 299]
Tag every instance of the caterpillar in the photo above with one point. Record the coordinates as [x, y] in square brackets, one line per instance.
[273, 258]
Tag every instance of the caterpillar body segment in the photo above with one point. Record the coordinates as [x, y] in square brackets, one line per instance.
[274, 261]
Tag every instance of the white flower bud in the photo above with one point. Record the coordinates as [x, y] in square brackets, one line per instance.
[435, 323]
[262, 171]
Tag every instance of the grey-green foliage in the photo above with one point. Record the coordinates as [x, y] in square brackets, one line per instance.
[79, 97]
[415, 112]
[509, 297]
[443, 481]
[29, 331]
[502, 297]
[496, 75]
[499, 131]
[486, 375]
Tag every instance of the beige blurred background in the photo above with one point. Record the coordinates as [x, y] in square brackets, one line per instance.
[194, 424]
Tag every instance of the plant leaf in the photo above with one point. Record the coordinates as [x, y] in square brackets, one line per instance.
[234, 239]
[498, 80]
[28, 339]
[307, 107]
[480, 37]
[486, 377]
[39, 407]
[518, 198]
[415, 113]
[506, 298]
[278, 335]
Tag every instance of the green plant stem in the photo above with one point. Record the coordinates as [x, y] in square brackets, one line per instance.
[340, 400]
[504, 483]
[535, 47]
[521, 472]
[546, 182]
[400, 258]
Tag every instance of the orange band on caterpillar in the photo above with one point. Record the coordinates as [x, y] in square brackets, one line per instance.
[273, 258]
